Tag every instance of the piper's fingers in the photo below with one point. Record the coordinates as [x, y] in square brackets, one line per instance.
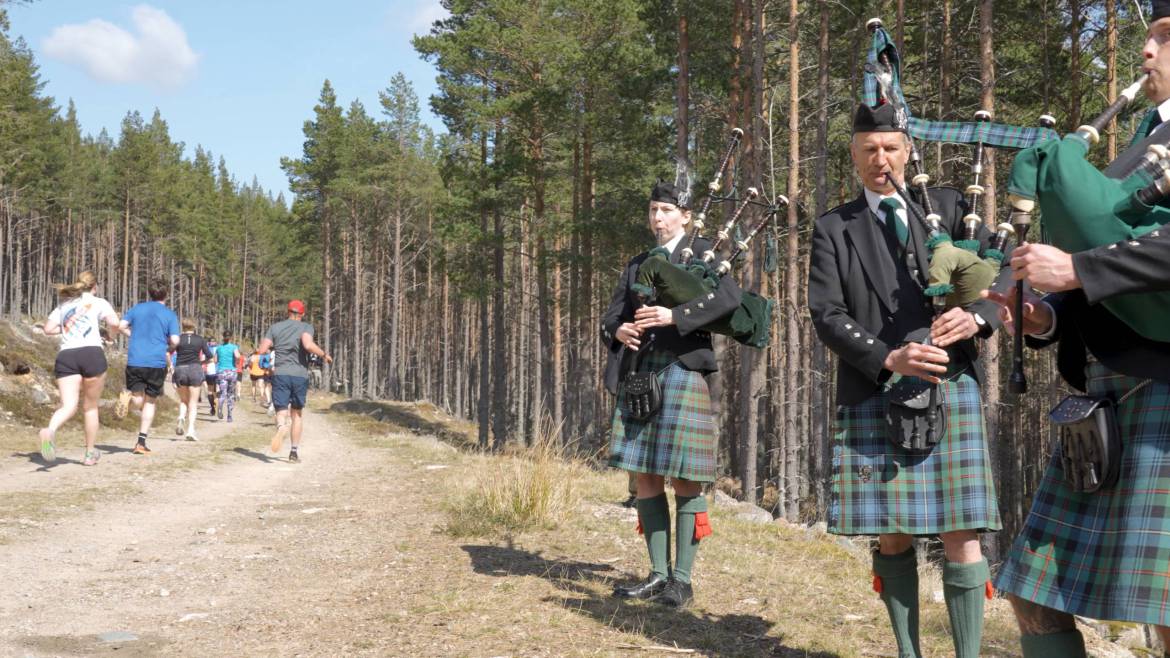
[948, 338]
[997, 297]
[929, 366]
[930, 378]
[933, 353]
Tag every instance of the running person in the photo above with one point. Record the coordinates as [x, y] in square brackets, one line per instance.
[266, 361]
[190, 354]
[293, 341]
[153, 329]
[255, 374]
[226, 357]
[209, 374]
[81, 361]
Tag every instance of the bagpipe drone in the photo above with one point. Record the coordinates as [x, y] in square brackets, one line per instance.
[667, 284]
[957, 271]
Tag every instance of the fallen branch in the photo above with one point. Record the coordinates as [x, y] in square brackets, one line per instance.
[654, 647]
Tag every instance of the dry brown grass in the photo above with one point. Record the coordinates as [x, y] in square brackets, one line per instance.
[523, 490]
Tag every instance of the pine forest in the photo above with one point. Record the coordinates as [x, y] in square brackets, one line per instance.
[469, 267]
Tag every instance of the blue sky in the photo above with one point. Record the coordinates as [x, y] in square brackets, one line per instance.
[239, 78]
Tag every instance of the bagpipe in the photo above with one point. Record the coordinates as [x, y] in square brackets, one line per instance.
[668, 284]
[957, 272]
[1083, 208]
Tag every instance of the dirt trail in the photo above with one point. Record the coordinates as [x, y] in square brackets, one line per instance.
[216, 548]
[208, 548]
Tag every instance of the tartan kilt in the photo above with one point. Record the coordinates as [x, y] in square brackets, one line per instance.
[880, 488]
[680, 440]
[1104, 555]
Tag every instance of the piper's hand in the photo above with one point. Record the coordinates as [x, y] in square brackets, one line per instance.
[1045, 267]
[629, 334]
[1037, 316]
[653, 316]
[953, 326]
[918, 360]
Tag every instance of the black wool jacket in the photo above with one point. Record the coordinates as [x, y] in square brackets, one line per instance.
[865, 302]
[1082, 323]
[685, 339]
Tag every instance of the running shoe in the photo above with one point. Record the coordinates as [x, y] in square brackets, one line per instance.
[292, 457]
[91, 457]
[191, 437]
[180, 425]
[48, 447]
[229, 418]
[271, 410]
[123, 406]
[278, 438]
[219, 412]
[141, 449]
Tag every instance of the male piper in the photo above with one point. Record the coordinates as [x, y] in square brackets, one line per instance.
[1101, 554]
[866, 295]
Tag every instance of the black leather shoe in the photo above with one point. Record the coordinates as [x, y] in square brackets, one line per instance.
[676, 594]
[649, 588]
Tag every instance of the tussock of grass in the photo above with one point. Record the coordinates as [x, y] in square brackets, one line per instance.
[533, 489]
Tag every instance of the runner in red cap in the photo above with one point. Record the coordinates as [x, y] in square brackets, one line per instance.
[292, 340]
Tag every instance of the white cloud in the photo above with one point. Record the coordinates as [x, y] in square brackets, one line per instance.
[156, 54]
[415, 17]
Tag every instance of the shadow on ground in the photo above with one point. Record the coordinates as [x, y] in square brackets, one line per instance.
[255, 455]
[406, 417]
[35, 458]
[708, 634]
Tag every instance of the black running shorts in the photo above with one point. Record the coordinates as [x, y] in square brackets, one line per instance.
[88, 361]
[150, 380]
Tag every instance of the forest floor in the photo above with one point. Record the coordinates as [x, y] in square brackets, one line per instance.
[218, 548]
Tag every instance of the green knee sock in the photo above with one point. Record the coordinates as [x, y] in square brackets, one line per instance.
[964, 588]
[654, 515]
[686, 539]
[1066, 644]
[898, 578]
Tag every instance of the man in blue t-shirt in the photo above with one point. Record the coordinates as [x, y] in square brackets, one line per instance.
[292, 340]
[153, 330]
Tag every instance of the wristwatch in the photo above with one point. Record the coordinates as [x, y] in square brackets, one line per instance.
[979, 322]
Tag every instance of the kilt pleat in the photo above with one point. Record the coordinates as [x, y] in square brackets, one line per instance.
[1104, 555]
[680, 440]
[880, 488]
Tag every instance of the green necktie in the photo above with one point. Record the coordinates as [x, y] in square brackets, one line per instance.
[890, 206]
[1148, 123]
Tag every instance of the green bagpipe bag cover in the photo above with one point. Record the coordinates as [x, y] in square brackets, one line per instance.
[750, 323]
[1081, 208]
[957, 273]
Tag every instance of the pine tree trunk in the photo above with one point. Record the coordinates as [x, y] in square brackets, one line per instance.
[819, 390]
[1111, 71]
[499, 343]
[793, 441]
[991, 389]
[483, 399]
[1074, 63]
[683, 99]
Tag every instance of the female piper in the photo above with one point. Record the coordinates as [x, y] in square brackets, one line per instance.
[678, 441]
[81, 361]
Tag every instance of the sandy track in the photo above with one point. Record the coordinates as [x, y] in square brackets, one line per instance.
[230, 555]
